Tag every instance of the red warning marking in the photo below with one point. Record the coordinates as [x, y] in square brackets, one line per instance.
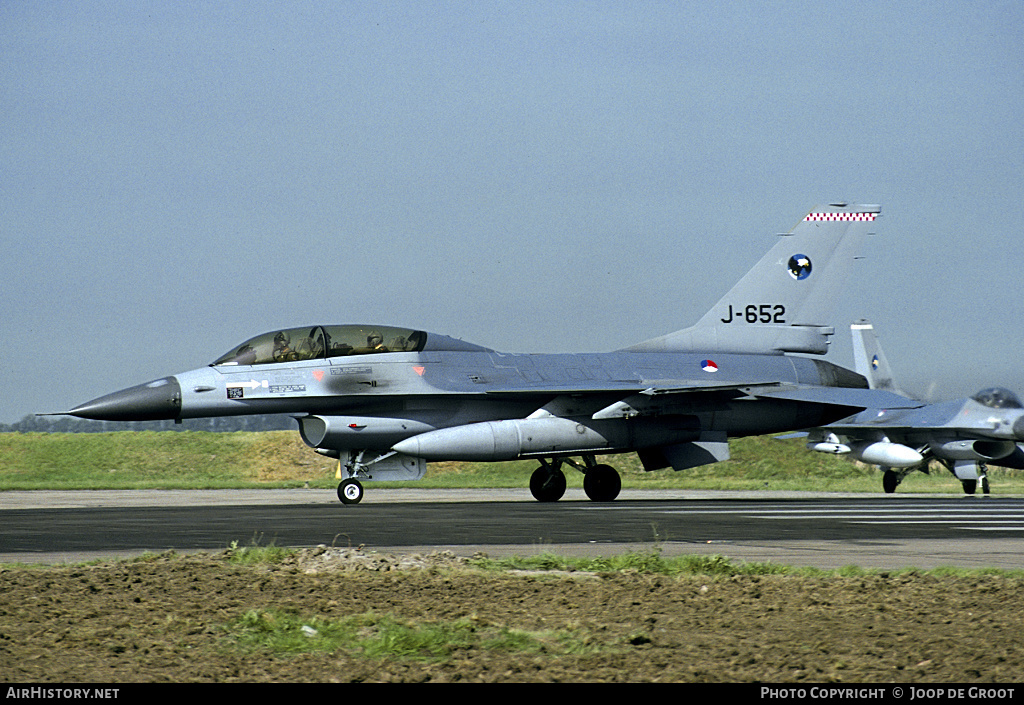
[841, 216]
[419, 370]
[318, 375]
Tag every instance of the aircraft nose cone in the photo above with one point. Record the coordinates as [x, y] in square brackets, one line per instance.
[154, 401]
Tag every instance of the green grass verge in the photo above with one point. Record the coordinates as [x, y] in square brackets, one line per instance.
[372, 635]
[199, 460]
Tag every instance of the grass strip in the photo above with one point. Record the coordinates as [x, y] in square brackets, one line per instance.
[277, 459]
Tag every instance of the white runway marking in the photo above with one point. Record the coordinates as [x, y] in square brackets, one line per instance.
[986, 515]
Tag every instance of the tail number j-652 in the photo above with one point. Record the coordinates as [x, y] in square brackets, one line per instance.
[757, 313]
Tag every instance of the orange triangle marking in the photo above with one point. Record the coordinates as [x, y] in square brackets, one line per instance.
[420, 370]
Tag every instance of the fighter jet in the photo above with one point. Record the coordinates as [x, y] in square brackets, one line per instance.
[385, 400]
[963, 435]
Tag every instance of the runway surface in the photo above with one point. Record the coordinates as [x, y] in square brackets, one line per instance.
[814, 529]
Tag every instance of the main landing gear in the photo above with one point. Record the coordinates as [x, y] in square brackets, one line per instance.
[892, 477]
[600, 482]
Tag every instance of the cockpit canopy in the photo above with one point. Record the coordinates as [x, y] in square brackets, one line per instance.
[318, 342]
[997, 398]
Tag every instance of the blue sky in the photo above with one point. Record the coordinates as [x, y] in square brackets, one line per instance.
[533, 177]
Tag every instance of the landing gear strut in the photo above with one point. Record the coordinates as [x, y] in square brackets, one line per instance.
[600, 482]
[892, 477]
[971, 473]
[971, 486]
[975, 471]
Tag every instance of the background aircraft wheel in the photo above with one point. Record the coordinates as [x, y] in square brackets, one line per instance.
[547, 485]
[970, 486]
[889, 481]
[984, 485]
[350, 491]
[602, 483]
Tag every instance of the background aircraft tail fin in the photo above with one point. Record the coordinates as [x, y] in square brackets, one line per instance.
[869, 359]
[783, 303]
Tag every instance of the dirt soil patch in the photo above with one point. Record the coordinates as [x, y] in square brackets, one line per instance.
[165, 619]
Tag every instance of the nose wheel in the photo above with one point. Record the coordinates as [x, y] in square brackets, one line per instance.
[350, 491]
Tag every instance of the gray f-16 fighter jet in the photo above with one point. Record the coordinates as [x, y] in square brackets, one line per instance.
[385, 400]
[964, 435]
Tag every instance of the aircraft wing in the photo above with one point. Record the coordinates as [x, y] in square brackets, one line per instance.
[642, 397]
[843, 396]
[632, 397]
[762, 389]
[647, 387]
[856, 429]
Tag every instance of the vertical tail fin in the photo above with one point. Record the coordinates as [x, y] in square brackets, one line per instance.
[869, 359]
[782, 304]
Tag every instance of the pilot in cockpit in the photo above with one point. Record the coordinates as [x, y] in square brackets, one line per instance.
[282, 348]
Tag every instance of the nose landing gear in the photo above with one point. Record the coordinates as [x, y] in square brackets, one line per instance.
[350, 491]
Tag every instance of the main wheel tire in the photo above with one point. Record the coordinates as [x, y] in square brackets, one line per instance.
[970, 486]
[350, 491]
[547, 485]
[889, 481]
[602, 483]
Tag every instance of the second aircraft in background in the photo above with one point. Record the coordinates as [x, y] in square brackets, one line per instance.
[964, 435]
